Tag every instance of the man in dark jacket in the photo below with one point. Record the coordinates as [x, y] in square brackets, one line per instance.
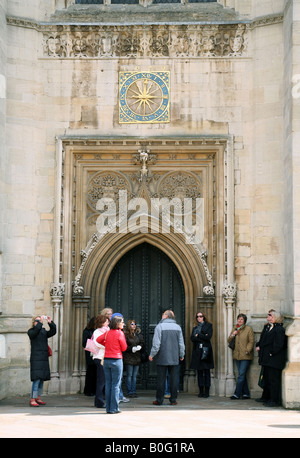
[168, 347]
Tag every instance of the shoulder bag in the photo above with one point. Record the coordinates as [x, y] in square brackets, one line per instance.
[232, 344]
[91, 346]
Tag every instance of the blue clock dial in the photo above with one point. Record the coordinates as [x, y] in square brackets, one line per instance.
[144, 97]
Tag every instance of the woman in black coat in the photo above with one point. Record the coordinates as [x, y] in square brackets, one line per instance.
[202, 355]
[91, 368]
[39, 357]
[272, 357]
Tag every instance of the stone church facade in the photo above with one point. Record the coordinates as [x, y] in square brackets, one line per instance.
[110, 110]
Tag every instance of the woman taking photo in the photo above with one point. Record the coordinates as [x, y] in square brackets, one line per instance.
[39, 357]
[115, 343]
[202, 355]
[243, 354]
[132, 356]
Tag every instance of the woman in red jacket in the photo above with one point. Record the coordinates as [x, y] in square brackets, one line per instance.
[115, 343]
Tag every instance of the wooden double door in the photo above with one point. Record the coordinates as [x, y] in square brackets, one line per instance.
[143, 284]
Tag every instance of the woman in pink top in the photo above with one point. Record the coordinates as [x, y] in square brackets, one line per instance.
[115, 343]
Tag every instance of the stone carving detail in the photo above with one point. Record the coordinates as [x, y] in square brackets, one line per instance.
[172, 185]
[208, 290]
[145, 159]
[57, 290]
[106, 184]
[155, 41]
[97, 41]
[229, 291]
[180, 185]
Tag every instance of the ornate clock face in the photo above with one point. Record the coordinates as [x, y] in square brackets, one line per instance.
[144, 97]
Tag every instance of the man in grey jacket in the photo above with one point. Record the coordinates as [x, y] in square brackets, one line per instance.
[168, 347]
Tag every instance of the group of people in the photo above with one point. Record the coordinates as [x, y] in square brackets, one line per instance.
[271, 349]
[118, 347]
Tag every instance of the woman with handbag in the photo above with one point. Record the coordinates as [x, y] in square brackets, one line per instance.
[115, 344]
[91, 372]
[202, 355]
[101, 326]
[39, 356]
[132, 356]
[243, 336]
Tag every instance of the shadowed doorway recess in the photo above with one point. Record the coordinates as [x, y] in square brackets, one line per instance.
[143, 284]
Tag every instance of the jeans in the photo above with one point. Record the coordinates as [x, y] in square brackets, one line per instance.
[113, 369]
[37, 388]
[241, 384]
[161, 382]
[131, 373]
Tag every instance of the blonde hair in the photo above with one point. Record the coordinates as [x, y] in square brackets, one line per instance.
[104, 311]
[277, 315]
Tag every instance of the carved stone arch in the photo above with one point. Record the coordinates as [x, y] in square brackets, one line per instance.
[86, 258]
[195, 251]
[113, 247]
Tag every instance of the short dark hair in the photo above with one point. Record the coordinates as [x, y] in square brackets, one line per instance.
[242, 315]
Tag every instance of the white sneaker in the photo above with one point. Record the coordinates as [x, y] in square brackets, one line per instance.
[124, 400]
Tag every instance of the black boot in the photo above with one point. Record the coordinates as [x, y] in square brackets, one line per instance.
[206, 392]
[201, 392]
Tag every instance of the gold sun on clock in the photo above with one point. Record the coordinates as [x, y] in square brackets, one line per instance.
[144, 97]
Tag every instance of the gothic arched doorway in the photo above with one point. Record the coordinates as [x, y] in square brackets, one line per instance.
[143, 284]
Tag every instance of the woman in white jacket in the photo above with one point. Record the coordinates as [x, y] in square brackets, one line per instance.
[101, 326]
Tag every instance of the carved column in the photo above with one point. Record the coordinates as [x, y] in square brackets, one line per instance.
[229, 295]
[291, 373]
[57, 289]
[57, 292]
[80, 316]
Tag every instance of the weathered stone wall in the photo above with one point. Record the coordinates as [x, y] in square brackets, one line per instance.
[57, 86]
[3, 40]
[291, 378]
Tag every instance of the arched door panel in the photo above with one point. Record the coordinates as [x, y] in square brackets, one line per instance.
[143, 284]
